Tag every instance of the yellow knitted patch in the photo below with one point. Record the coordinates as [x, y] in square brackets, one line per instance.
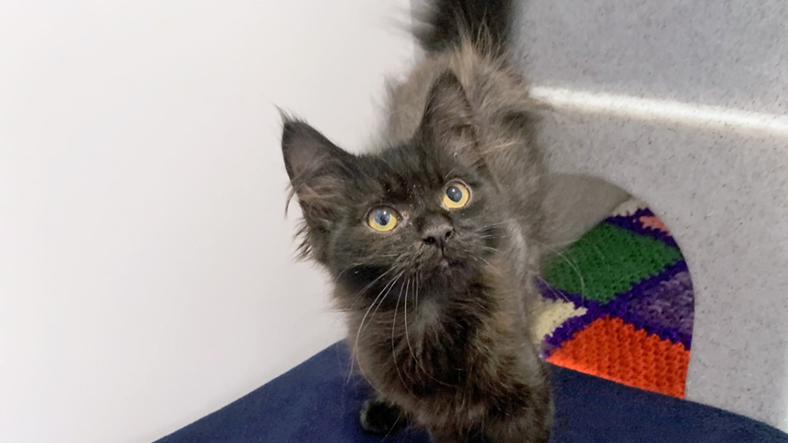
[547, 315]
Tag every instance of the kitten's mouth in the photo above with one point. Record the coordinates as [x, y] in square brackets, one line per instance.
[443, 261]
[446, 262]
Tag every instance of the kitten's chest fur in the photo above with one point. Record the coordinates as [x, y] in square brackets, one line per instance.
[453, 348]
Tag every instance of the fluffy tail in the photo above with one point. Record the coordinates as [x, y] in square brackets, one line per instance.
[446, 24]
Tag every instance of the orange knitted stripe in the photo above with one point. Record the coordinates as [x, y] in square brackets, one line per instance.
[612, 349]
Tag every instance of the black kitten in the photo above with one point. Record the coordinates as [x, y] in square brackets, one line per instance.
[434, 241]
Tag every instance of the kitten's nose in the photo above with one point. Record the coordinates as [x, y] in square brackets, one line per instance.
[437, 232]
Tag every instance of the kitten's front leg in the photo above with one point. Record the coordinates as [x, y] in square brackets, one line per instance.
[380, 417]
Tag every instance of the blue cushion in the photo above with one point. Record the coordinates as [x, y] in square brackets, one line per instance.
[317, 402]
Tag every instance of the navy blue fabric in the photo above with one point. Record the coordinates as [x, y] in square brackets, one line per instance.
[316, 402]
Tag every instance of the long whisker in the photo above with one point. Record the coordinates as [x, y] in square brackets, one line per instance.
[368, 258]
[407, 336]
[388, 285]
[360, 293]
[393, 349]
[351, 266]
[492, 236]
[418, 278]
[575, 267]
[482, 259]
[387, 293]
[416, 358]
[494, 224]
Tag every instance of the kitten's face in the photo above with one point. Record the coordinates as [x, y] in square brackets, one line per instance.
[414, 212]
[424, 212]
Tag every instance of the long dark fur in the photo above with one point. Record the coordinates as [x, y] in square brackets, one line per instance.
[445, 24]
[438, 308]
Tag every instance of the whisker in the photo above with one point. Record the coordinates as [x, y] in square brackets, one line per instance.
[492, 236]
[561, 294]
[351, 266]
[388, 285]
[416, 292]
[393, 350]
[416, 358]
[384, 297]
[493, 225]
[482, 259]
[407, 336]
[575, 267]
[360, 293]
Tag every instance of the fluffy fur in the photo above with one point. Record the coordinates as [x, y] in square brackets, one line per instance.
[438, 307]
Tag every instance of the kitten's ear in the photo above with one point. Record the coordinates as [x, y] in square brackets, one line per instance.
[318, 170]
[448, 119]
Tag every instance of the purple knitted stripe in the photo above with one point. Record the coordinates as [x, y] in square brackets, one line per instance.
[640, 212]
[665, 332]
[578, 300]
[637, 290]
[623, 308]
[632, 223]
[670, 304]
[618, 307]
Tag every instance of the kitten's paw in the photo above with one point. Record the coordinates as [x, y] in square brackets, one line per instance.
[379, 417]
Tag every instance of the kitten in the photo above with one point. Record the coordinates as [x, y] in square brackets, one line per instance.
[434, 241]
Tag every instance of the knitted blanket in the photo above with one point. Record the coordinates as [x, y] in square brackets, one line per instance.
[618, 304]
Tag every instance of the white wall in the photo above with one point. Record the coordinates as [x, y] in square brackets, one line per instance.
[146, 271]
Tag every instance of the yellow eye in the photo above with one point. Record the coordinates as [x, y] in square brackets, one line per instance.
[456, 195]
[382, 219]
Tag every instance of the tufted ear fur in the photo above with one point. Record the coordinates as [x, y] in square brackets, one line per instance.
[318, 170]
[448, 119]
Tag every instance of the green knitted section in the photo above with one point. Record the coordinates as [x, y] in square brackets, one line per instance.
[610, 260]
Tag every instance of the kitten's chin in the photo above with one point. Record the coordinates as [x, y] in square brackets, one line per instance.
[446, 266]
[449, 264]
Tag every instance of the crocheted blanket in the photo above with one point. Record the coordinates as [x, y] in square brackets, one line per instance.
[618, 304]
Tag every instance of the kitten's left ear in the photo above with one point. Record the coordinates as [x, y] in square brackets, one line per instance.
[318, 171]
[448, 119]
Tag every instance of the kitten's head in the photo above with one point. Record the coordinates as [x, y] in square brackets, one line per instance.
[424, 210]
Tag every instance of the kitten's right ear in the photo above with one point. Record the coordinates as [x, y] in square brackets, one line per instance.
[318, 170]
[448, 119]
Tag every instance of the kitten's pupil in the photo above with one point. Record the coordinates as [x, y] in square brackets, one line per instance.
[454, 193]
[382, 217]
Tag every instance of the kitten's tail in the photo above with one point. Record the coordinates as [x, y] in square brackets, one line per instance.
[447, 24]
